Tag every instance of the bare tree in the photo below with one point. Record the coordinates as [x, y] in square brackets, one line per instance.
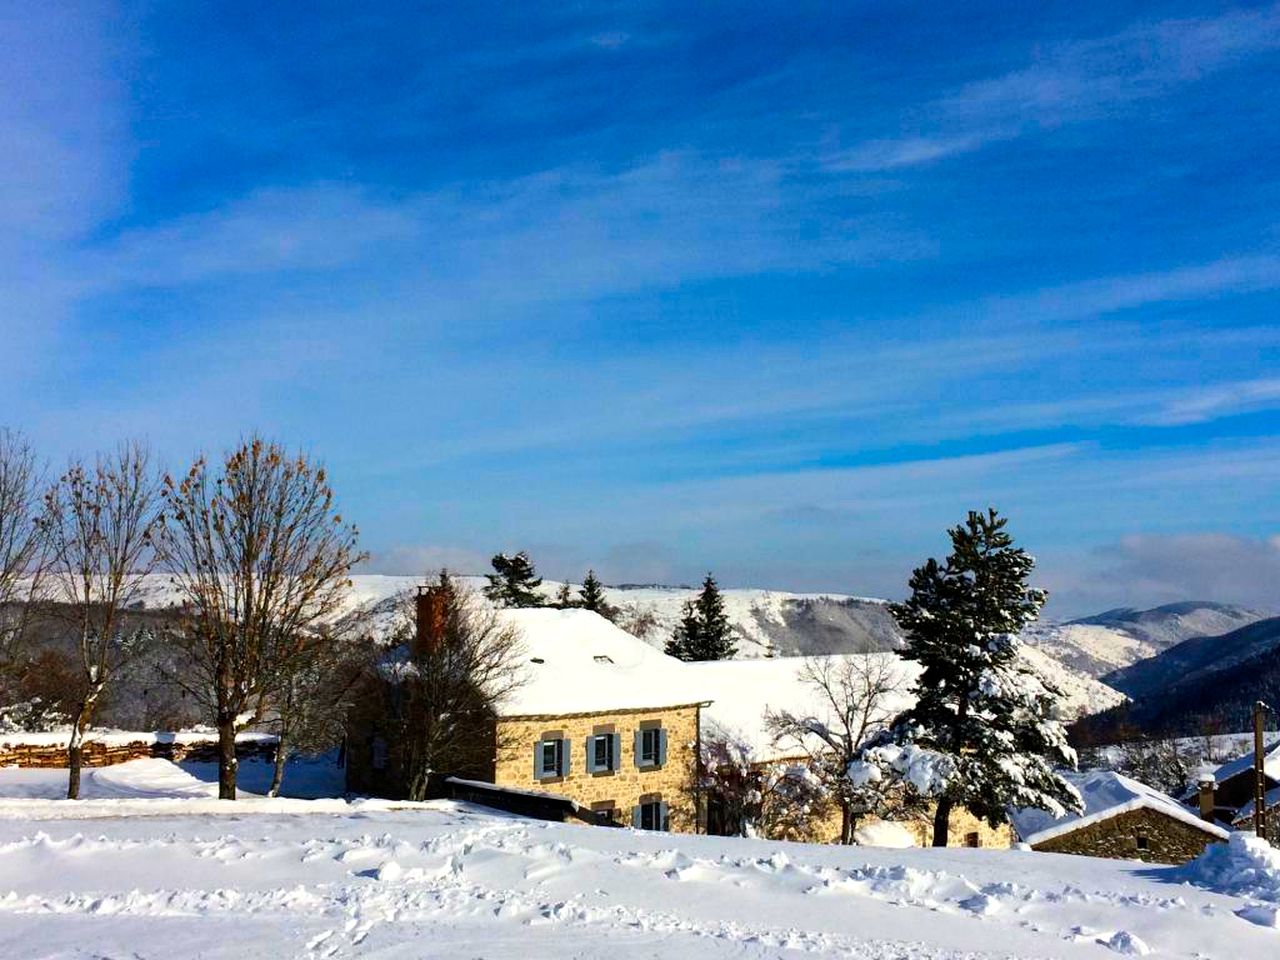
[855, 697]
[102, 522]
[445, 683]
[22, 544]
[261, 560]
[749, 797]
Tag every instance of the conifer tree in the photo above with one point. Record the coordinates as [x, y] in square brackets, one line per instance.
[703, 632]
[564, 598]
[981, 733]
[514, 582]
[591, 597]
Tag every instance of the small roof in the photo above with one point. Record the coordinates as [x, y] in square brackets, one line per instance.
[1106, 794]
[576, 661]
[742, 691]
[1244, 764]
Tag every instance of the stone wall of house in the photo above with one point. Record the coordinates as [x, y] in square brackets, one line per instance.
[98, 753]
[1167, 839]
[619, 790]
[964, 830]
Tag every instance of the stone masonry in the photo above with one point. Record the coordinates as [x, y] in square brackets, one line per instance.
[1141, 834]
[619, 790]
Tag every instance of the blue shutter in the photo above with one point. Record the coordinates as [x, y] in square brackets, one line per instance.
[664, 818]
[566, 757]
[636, 813]
[537, 760]
[639, 749]
[662, 748]
[591, 760]
[617, 752]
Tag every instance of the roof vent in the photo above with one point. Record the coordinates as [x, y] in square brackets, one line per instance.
[536, 660]
[602, 658]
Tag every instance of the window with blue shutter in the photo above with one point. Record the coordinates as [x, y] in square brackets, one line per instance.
[550, 759]
[602, 752]
[651, 816]
[651, 748]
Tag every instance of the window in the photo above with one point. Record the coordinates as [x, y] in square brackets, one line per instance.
[378, 753]
[1142, 842]
[602, 753]
[650, 816]
[550, 759]
[972, 839]
[651, 747]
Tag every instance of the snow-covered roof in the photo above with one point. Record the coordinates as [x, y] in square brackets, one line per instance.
[1106, 794]
[576, 661]
[741, 691]
[1244, 764]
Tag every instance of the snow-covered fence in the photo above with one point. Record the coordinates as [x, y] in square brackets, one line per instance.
[106, 749]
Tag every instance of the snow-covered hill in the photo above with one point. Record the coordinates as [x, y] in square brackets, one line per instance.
[1119, 638]
[767, 622]
[174, 875]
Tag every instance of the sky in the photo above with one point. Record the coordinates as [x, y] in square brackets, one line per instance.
[777, 291]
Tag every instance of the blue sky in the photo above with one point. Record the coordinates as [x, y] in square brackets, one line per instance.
[778, 291]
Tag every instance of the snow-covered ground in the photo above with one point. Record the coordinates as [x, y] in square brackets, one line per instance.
[325, 879]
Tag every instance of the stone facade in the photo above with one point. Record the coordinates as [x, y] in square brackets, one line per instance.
[618, 790]
[1141, 834]
[964, 830]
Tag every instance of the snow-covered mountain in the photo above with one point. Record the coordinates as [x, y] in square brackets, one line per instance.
[767, 622]
[1116, 639]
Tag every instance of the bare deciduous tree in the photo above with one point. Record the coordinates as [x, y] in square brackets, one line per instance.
[102, 522]
[261, 560]
[855, 698]
[446, 687]
[22, 543]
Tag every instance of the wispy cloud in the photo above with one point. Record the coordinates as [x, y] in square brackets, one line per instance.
[1070, 83]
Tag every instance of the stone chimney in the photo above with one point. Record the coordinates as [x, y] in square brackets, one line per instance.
[430, 619]
[1206, 787]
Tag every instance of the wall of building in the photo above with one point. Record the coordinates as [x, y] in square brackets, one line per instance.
[623, 788]
[963, 830]
[1168, 840]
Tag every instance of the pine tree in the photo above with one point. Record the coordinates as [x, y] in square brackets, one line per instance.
[514, 582]
[703, 632]
[564, 599]
[591, 597]
[980, 734]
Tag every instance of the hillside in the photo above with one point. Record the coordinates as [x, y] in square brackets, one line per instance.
[767, 622]
[1193, 661]
[1111, 641]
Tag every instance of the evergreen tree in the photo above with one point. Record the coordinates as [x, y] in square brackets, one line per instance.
[981, 732]
[591, 597]
[514, 583]
[703, 632]
[564, 599]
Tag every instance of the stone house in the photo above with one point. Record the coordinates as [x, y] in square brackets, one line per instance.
[599, 716]
[1233, 785]
[1122, 820]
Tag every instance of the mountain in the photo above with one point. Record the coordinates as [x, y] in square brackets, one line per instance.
[1194, 662]
[768, 623]
[1202, 684]
[1103, 644]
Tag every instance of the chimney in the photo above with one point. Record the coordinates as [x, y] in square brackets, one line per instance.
[430, 619]
[1206, 786]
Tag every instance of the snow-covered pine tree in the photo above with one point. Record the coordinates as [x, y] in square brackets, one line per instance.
[591, 597]
[514, 582]
[981, 733]
[703, 632]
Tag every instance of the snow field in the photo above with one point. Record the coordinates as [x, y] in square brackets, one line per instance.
[447, 880]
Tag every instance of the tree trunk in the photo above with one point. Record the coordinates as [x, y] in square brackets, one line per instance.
[846, 825]
[226, 756]
[75, 748]
[941, 822]
[282, 755]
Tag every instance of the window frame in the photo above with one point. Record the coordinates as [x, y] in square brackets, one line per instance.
[560, 769]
